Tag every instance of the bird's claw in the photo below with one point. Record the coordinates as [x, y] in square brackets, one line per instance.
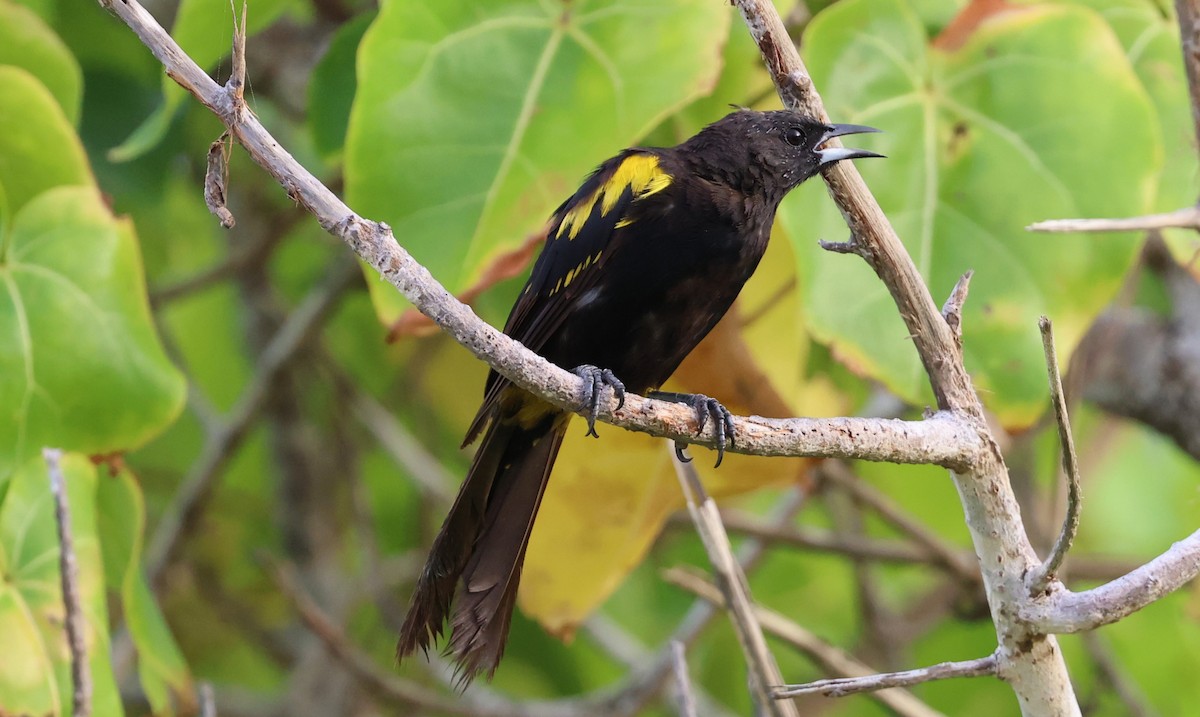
[705, 408]
[594, 381]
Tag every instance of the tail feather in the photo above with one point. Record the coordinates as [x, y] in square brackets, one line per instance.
[481, 547]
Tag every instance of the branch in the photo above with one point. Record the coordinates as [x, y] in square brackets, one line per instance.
[764, 672]
[832, 660]
[941, 553]
[1041, 576]
[1064, 611]
[68, 569]
[1186, 218]
[984, 666]
[687, 700]
[946, 442]
[1031, 662]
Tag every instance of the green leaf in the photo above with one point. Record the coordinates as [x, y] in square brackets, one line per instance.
[982, 141]
[26, 41]
[474, 120]
[331, 90]
[38, 146]
[204, 30]
[76, 338]
[35, 669]
[122, 517]
[1150, 35]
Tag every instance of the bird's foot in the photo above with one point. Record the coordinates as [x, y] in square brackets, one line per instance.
[704, 407]
[594, 380]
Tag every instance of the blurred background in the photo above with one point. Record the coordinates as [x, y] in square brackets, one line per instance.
[264, 438]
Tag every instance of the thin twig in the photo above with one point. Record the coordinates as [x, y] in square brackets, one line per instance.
[208, 701]
[831, 660]
[627, 700]
[403, 448]
[1041, 576]
[236, 84]
[68, 568]
[1114, 678]
[981, 667]
[1063, 611]
[196, 488]
[764, 672]
[1186, 218]
[951, 558]
[683, 686]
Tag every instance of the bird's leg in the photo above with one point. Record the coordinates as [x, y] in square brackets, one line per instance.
[594, 380]
[704, 407]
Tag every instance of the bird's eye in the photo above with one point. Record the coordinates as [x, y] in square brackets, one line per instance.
[794, 136]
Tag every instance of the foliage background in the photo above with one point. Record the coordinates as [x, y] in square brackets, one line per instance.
[462, 125]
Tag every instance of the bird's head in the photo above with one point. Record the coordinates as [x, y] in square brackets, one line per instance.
[769, 153]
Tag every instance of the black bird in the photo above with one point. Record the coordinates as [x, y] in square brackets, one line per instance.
[639, 265]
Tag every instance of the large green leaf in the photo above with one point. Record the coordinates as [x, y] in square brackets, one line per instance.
[982, 140]
[80, 363]
[331, 89]
[473, 120]
[35, 667]
[1150, 35]
[38, 146]
[26, 41]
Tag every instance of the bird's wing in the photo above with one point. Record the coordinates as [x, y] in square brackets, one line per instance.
[583, 234]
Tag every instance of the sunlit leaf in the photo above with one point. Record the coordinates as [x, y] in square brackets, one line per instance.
[38, 146]
[26, 41]
[473, 121]
[78, 342]
[982, 140]
[35, 664]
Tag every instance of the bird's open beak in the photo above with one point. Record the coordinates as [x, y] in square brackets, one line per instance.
[836, 154]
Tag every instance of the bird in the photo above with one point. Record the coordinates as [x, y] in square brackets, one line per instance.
[638, 266]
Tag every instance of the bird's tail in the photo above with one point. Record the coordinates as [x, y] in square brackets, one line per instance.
[483, 542]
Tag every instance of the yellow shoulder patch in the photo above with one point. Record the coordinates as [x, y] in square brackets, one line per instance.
[638, 172]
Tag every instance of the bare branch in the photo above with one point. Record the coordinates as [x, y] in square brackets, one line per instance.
[946, 441]
[404, 448]
[984, 666]
[1112, 677]
[764, 672]
[1031, 662]
[68, 570]
[236, 84]
[1064, 611]
[942, 553]
[832, 660]
[208, 701]
[687, 701]
[1186, 218]
[1041, 576]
